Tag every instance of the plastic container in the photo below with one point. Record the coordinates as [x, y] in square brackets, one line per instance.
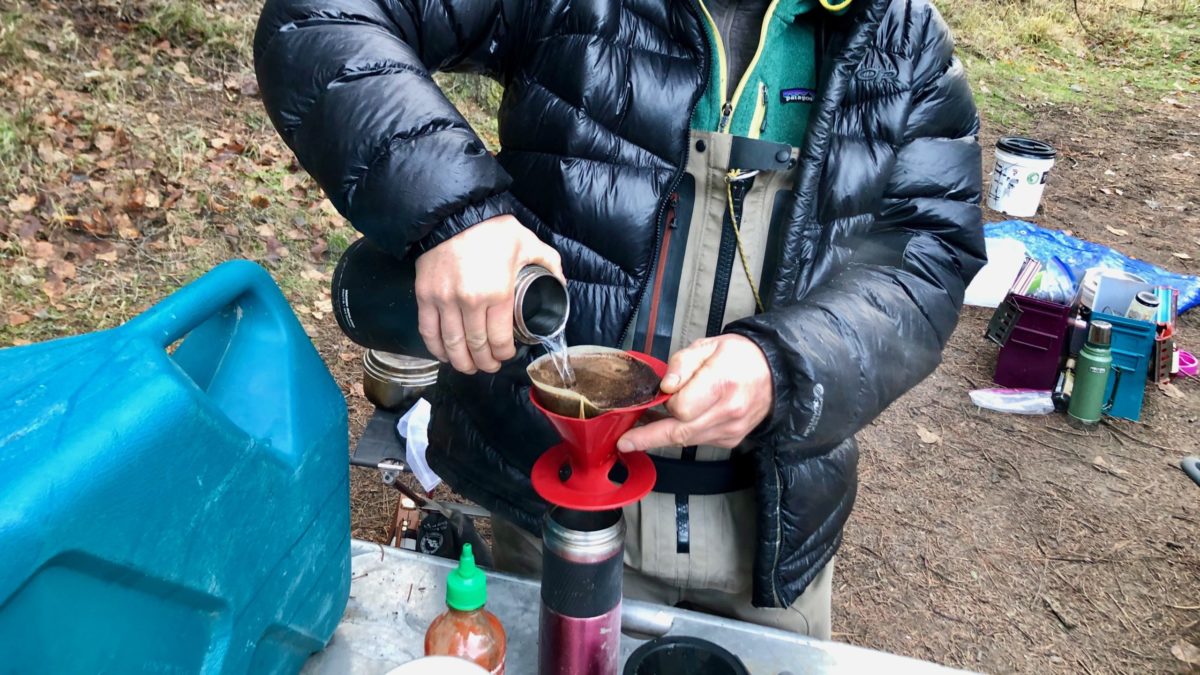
[466, 630]
[438, 665]
[1019, 177]
[1132, 346]
[1031, 355]
[689, 655]
[174, 512]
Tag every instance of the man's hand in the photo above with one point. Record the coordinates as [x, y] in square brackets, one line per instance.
[464, 290]
[721, 390]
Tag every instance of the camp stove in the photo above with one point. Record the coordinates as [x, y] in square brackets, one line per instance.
[583, 534]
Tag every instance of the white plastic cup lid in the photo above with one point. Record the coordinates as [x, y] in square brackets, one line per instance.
[438, 665]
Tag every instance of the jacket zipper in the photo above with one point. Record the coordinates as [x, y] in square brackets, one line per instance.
[726, 255]
[731, 100]
[660, 217]
[659, 274]
[758, 122]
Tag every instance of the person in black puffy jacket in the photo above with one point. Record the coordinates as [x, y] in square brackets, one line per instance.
[779, 196]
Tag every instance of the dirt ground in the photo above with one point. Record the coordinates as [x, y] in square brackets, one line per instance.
[1012, 544]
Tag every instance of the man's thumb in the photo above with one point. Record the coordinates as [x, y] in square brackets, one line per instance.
[685, 362]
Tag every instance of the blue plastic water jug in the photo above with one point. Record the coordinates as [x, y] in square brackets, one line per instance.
[174, 511]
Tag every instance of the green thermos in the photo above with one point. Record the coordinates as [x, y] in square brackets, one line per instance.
[1091, 375]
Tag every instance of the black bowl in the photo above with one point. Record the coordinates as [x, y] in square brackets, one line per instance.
[687, 655]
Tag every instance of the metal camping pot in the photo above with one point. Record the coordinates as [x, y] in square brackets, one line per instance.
[582, 559]
[375, 303]
[395, 381]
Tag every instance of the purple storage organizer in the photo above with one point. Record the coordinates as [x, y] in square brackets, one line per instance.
[1031, 356]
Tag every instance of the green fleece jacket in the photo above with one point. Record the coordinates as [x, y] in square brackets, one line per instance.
[774, 98]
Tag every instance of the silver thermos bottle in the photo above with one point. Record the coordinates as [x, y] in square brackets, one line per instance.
[375, 302]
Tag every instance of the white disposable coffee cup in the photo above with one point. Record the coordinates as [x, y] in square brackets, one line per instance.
[1019, 178]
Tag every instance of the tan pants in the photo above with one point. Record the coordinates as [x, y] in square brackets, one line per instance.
[519, 552]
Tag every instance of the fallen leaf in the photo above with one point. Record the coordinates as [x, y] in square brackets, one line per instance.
[1182, 256]
[356, 390]
[22, 203]
[1170, 390]
[191, 242]
[41, 251]
[348, 356]
[63, 269]
[1186, 652]
[17, 318]
[1104, 467]
[107, 256]
[1152, 203]
[54, 288]
[259, 201]
[103, 142]
[1117, 231]
[1064, 617]
[153, 200]
[264, 231]
[927, 436]
[125, 227]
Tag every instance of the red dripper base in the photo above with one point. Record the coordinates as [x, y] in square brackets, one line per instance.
[589, 448]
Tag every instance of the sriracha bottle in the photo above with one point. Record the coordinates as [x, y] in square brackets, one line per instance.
[466, 629]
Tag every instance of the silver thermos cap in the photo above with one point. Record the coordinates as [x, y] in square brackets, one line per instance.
[1100, 334]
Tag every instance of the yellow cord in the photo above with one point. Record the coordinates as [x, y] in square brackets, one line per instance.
[835, 8]
[737, 235]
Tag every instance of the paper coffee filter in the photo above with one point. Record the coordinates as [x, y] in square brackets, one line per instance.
[606, 379]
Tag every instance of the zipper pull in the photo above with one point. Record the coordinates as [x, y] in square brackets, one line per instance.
[762, 129]
[726, 111]
[673, 204]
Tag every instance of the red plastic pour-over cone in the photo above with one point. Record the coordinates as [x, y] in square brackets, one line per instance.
[589, 447]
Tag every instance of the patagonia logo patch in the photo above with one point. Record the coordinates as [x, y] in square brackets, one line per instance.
[797, 95]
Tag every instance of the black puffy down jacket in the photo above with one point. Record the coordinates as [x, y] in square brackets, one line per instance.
[883, 233]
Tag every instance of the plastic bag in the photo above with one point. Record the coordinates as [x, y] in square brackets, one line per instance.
[1055, 283]
[1017, 401]
[414, 427]
[1079, 256]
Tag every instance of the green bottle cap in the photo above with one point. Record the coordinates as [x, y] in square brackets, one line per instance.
[466, 587]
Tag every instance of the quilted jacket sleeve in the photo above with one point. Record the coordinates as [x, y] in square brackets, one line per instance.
[347, 84]
[877, 328]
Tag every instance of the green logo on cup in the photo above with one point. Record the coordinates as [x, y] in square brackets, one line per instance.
[1033, 178]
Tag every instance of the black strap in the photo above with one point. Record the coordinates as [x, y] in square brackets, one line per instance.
[752, 154]
[677, 476]
[684, 477]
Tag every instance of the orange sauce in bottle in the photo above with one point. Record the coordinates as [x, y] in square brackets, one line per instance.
[466, 629]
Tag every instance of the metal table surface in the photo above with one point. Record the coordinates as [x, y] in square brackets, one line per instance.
[395, 594]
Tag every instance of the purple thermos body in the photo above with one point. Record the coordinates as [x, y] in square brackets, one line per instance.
[582, 562]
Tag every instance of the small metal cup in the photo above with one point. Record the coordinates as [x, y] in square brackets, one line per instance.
[395, 381]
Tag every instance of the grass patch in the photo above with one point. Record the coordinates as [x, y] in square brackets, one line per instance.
[16, 147]
[12, 44]
[190, 23]
[1022, 56]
